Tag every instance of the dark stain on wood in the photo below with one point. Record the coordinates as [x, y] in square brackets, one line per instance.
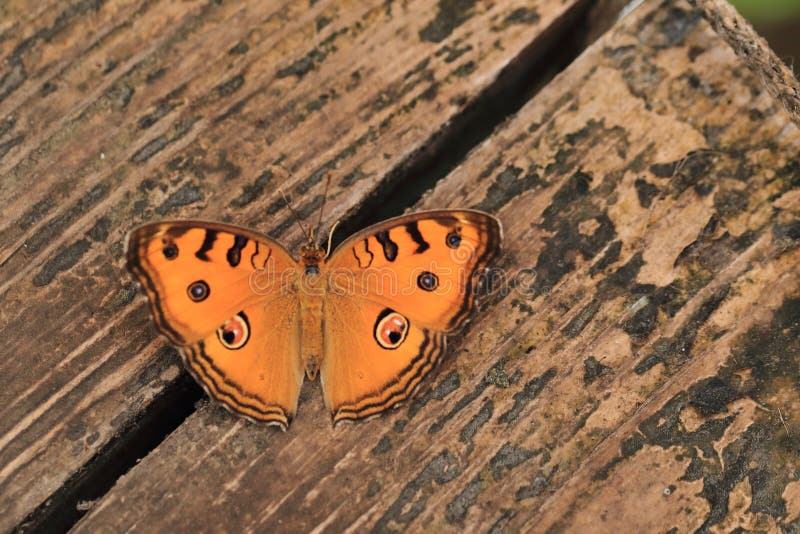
[771, 353]
[507, 458]
[163, 107]
[412, 500]
[312, 59]
[528, 393]
[56, 226]
[185, 195]
[508, 183]
[251, 192]
[571, 205]
[457, 508]
[230, 86]
[6, 146]
[17, 74]
[450, 15]
[593, 369]
[539, 484]
[610, 256]
[469, 430]
[383, 446]
[581, 319]
[522, 15]
[675, 350]
[464, 401]
[162, 141]
[119, 95]
[446, 386]
[641, 324]
[62, 261]
[646, 192]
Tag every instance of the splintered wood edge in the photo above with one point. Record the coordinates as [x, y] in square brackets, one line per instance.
[755, 52]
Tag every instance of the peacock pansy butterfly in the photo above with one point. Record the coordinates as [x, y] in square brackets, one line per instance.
[371, 318]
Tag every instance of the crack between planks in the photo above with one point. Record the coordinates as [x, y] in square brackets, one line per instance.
[134, 441]
[541, 60]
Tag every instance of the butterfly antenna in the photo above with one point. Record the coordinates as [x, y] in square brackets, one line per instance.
[296, 216]
[330, 238]
[324, 200]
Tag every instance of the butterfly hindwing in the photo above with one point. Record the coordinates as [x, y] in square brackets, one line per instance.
[374, 357]
[396, 289]
[252, 363]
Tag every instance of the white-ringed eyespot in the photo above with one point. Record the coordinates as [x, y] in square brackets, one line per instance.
[427, 281]
[198, 291]
[391, 329]
[453, 239]
[235, 332]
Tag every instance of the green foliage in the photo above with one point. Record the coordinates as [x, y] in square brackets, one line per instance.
[768, 10]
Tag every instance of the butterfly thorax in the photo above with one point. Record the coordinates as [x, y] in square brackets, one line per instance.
[311, 290]
[310, 258]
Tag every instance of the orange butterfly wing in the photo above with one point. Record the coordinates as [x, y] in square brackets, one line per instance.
[201, 276]
[359, 377]
[260, 380]
[397, 288]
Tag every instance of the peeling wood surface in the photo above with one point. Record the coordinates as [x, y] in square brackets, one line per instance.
[114, 113]
[640, 375]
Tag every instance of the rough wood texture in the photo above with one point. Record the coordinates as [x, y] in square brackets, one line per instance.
[641, 375]
[119, 112]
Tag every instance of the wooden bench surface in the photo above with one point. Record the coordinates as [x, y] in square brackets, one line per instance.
[135, 111]
[636, 369]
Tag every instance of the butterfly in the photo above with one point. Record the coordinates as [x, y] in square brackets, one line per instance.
[251, 321]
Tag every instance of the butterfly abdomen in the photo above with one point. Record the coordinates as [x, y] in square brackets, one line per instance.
[311, 291]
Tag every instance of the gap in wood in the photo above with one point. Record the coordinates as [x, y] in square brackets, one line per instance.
[158, 420]
[546, 56]
[543, 59]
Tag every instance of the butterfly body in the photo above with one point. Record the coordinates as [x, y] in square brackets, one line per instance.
[370, 319]
[311, 293]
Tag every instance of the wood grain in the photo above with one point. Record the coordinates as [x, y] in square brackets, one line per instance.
[119, 112]
[641, 370]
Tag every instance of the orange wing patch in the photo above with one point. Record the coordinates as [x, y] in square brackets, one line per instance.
[396, 289]
[425, 265]
[252, 363]
[198, 274]
[219, 293]
[370, 363]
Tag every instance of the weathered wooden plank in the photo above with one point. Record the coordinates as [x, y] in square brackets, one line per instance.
[631, 378]
[120, 112]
